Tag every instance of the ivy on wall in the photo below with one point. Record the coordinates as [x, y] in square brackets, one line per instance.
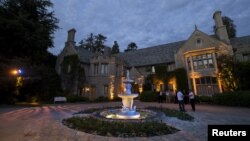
[73, 75]
[181, 79]
[161, 74]
[71, 60]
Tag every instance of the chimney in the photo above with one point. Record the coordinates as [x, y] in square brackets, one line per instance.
[71, 35]
[220, 28]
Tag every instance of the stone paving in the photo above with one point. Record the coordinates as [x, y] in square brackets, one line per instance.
[44, 123]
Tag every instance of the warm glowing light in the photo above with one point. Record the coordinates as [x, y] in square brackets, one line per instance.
[14, 72]
[140, 89]
[87, 89]
[110, 116]
[112, 87]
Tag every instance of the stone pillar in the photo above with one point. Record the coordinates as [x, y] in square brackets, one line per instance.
[193, 77]
[216, 71]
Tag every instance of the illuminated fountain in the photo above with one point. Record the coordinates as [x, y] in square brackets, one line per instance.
[128, 111]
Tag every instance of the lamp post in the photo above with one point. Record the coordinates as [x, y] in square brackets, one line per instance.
[19, 80]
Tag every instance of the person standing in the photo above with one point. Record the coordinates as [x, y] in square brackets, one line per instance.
[191, 99]
[160, 97]
[180, 98]
[167, 97]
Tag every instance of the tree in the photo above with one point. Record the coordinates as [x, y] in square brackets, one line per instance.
[227, 75]
[26, 28]
[89, 42]
[26, 33]
[94, 43]
[242, 70]
[115, 49]
[99, 42]
[230, 26]
[131, 46]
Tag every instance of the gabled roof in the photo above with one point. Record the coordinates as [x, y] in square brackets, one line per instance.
[151, 55]
[244, 40]
[154, 55]
[84, 54]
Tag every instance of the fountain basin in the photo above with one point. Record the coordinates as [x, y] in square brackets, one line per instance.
[127, 95]
[127, 100]
[116, 114]
[128, 115]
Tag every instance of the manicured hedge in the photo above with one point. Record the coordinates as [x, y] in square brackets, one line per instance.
[203, 99]
[238, 98]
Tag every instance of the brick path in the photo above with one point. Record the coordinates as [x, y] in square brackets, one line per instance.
[44, 123]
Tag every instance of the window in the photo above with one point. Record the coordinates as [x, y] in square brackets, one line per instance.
[104, 68]
[246, 56]
[198, 42]
[206, 80]
[195, 65]
[210, 63]
[203, 61]
[153, 69]
[171, 67]
[105, 90]
[96, 68]
[189, 64]
[69, 68]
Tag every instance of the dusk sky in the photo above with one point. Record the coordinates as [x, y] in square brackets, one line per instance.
[145, 22]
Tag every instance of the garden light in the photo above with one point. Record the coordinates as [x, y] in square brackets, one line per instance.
[16, 71]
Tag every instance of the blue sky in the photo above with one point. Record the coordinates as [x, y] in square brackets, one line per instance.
[145, 22]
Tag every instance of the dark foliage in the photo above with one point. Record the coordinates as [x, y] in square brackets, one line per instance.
[26, 28]
[131, 46]
[149, 96]
[237, 98]
[94, 43]
[119, 129]
[115, 48]
[242, 70]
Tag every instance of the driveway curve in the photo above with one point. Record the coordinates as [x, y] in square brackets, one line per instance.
[44, 123]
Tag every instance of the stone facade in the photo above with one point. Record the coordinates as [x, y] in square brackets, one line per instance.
[104, 73]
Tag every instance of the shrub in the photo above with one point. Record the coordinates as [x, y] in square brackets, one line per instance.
[76, 98]
[173, 113]
[101, 99]
[119, 129]
[238, 98]
[203, 98]
[149, 96]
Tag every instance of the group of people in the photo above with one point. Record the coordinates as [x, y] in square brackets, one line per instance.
[168, 95]
[180, 99]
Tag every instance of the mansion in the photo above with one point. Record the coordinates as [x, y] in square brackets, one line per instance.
[101, 74]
